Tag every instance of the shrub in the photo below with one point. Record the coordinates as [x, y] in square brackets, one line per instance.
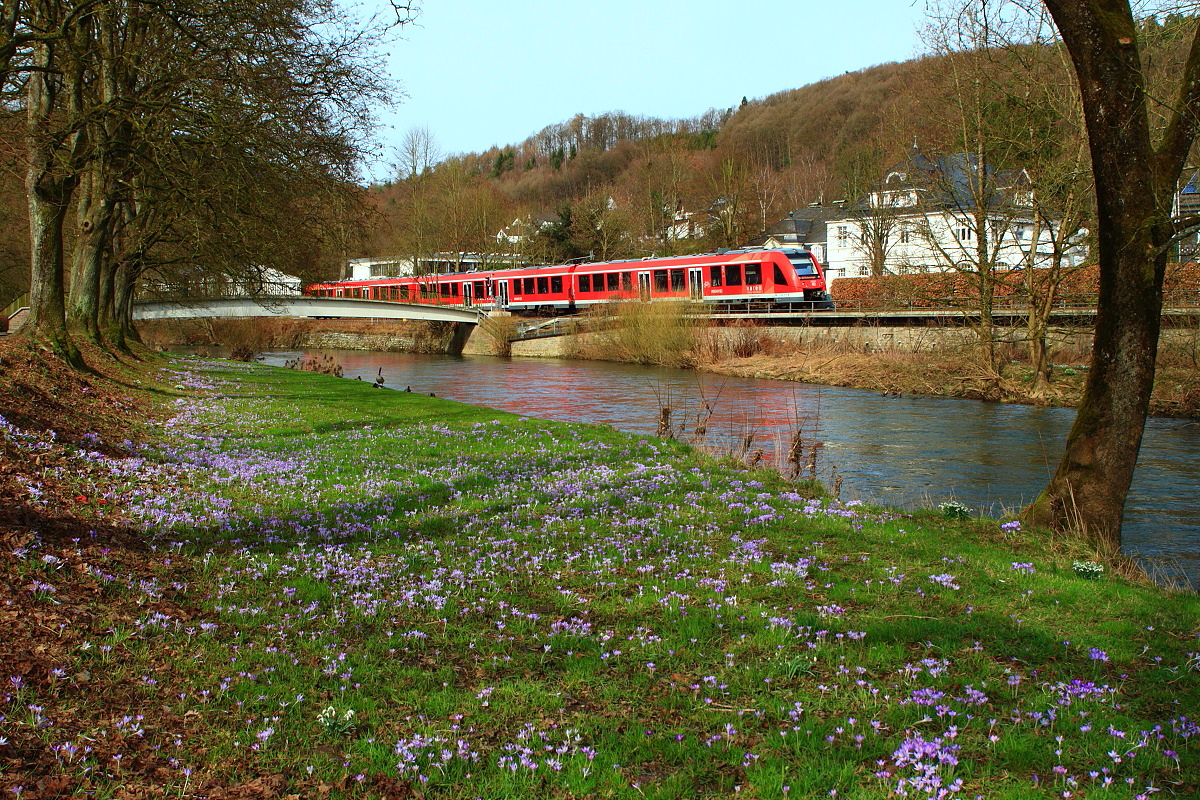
[324, 364]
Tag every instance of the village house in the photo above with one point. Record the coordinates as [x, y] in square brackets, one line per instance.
[929, 215]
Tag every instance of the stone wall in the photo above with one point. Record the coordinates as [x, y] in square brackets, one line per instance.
[335, 340]
[862, 338]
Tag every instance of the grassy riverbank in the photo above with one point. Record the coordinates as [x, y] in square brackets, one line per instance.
[305, 586]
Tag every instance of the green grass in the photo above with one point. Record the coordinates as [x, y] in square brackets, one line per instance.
[487, 593]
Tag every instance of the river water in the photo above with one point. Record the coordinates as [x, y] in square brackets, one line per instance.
[905, 452]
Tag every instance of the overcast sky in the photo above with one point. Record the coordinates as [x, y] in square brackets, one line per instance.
[479, 73]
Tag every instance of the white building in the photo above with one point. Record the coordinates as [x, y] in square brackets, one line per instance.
[926, 217]
[365, 269]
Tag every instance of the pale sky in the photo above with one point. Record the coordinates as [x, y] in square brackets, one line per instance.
[479, 73]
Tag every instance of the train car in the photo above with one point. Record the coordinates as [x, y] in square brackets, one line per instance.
[788, 278]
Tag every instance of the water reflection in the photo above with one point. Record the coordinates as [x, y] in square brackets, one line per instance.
[902, 451]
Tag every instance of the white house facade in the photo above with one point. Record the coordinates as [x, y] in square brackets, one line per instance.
[931, 216]
[941, 240]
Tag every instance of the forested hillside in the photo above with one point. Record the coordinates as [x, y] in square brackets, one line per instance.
[614, 185]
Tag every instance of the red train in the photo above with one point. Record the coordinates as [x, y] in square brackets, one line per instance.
[789, 277]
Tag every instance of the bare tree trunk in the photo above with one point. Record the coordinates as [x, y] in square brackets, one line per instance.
[1134, 185]
[120, 330]
[48, 191]
[93, 213]
[1038, 326]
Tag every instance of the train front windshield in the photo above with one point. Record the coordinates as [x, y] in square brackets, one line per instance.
[803, 264]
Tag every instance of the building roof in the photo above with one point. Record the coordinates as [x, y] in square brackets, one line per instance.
[802, 226]
[948, 180]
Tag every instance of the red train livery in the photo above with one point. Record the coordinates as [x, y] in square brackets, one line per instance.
[789, 277]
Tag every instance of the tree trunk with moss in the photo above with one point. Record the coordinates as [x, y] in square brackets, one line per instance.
[49, 183]
[1135, 182]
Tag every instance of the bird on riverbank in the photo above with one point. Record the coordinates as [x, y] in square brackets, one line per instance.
[378, 379]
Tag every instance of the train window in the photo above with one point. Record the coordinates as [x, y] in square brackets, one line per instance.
[714, 276]
[803, 263]
[529, 286]
[478, 287]
[754, 274]
[445, 290]
[677, 284]
[404, 292]
[454, 290]
[585, 283]
[556, 284]
[660, 280]
[543, 286]
[779, 279]
[614, 281]
[627, 281]
[733, 274]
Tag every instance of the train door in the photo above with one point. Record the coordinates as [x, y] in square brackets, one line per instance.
[644, 285]
[696, 283]
[503, 296]
[467, 294]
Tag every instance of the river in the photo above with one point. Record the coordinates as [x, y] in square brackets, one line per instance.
[904, 452]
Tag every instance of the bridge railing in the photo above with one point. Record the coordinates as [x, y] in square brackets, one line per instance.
[1177, 299]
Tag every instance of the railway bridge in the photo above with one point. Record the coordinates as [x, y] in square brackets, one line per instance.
[298, 306]
[463, 319]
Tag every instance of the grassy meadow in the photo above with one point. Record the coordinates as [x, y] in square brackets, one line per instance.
[355, 592]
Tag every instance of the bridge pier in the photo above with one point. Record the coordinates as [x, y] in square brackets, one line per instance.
[458, 339]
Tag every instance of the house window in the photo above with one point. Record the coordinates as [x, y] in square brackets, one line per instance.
[905, 234]
[965, 234]
[864, 270]
[843, 235]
